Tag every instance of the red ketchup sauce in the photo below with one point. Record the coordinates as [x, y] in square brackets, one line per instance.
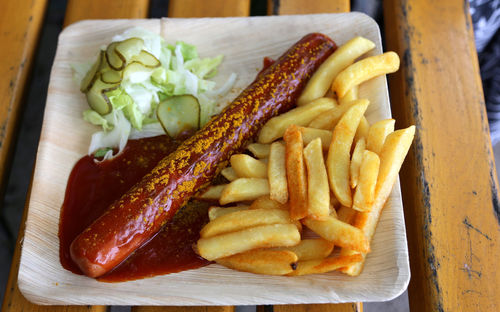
[93, 187]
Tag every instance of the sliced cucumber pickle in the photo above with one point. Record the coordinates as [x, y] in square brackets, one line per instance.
[91, 75]
[126, 49]
[111, 76]
[178, 114]
[147, 59]
[114, 60]
[97, 99]
[136, 67]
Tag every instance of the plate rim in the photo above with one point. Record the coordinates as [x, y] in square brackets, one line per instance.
[24, 285]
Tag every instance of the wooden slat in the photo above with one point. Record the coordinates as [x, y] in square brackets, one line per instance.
[78, 10]
[20, 24]
[449, 182]
[283, 7]
[287, 7]
[347, 307]
[204, 8]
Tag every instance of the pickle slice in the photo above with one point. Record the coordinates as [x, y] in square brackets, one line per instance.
[147, 59]
[91, 75]
[114, 60]
[126, 49]
[97, 99]
[178, 114]
[111, 76]
[136, 67]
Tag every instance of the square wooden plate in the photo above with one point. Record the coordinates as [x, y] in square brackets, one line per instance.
[65, 138]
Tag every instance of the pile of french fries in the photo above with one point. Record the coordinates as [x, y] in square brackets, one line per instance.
[320, 165]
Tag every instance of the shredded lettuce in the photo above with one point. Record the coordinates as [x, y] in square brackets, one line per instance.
[96, 119]
[134, 102]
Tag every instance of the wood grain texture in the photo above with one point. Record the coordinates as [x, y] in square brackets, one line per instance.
[386, 271]
[345, 307]
[77, 10]
[203, 8]
[20, 24]
[14, 301]
[286, 7]
[449, 179]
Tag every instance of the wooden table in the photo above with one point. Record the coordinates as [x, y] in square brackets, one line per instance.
[449, 183]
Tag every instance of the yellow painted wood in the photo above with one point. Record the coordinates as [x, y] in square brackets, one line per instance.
[450, 189]
[286, 7]
[14, 300]
[203, 8]
[20, 24]
[77, 10]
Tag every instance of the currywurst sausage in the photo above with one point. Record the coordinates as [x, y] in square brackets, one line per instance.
[141, 212]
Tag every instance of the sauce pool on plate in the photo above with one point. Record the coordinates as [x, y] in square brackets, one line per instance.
[94, 186]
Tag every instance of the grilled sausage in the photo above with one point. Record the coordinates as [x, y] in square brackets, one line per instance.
[141, 212]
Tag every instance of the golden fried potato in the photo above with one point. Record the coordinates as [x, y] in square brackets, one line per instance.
[243, 189]
[264, 236]
[276, 171]
[300, 116]
[338, 161]
[262, 261]
[296, 173]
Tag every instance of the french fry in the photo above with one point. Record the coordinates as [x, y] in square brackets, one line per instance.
[300, 116]
[338, 161]
[334, 201]
[333, 212]
[363, 128]
[377, 134]
[351, 95]
[276, 171]
[329, 69]
[356, 159]
[262, 261]
[265, 202]
[364, 70]
[346, 214]
[264, 236]
[248, 167]
[318, 195]
[213, 192]
[244, 189]
[329, 119]
[318, 266]
[312, 248]
[365, 191]
[259, 150]
[340, 233]
[296, 173]
[239, 220]
[214, 212]
[309, 134]
[392, 155]
[229, 174]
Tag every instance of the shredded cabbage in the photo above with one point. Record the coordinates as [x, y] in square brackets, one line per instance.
[135, 101]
